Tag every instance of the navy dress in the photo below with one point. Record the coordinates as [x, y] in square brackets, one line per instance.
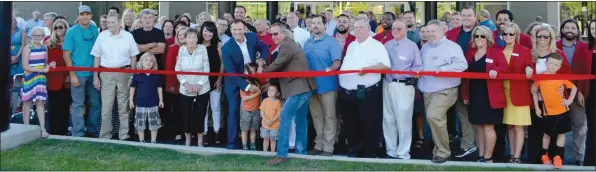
[479, 109]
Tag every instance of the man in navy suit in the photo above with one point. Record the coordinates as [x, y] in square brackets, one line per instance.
[242, 50]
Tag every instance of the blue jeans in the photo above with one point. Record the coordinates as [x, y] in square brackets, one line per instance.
[78, 95]
[295, 108]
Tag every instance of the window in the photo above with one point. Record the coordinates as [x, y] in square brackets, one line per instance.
[353, 7]
[254, 9]
[443, 7]
[138, 6]
[491, 7]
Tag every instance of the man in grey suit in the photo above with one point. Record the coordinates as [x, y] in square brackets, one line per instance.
[296, 91]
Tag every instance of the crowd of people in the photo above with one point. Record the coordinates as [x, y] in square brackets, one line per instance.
[365, 111]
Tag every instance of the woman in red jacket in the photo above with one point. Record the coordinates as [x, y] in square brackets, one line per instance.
[517, 112]
[58, 91]
[485, 97]
[172, 85]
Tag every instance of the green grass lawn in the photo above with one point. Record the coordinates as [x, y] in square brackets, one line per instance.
[48, 154]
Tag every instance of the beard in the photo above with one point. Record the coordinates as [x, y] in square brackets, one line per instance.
[387, 27]
[340, 31]
[570, 36]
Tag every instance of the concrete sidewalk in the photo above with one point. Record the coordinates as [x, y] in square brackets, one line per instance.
[215, 151]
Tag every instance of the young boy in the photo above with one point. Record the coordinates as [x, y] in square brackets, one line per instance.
[270, 109]
[553, 109]
[249, 115]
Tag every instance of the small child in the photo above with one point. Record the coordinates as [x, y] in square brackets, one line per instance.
[249, 115]
[35, 59]
[553, 110]
[270, 109]
[149, 98]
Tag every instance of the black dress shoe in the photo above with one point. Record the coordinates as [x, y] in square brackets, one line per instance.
[579, 163]
[390, 157]
[438, 159]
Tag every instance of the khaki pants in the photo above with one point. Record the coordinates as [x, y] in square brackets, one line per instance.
[579, 124]
[436, 105]
[322, 109]
[114, 85]
[467, 129]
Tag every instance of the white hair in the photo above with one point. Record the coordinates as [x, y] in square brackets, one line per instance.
[484, 13]
[147, 11]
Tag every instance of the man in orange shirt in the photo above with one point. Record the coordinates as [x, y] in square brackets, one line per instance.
[554, 110]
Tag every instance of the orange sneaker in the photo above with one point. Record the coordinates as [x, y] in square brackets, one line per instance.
[545, 159]
[557, 162]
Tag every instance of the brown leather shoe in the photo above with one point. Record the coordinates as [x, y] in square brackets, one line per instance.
[276, 161]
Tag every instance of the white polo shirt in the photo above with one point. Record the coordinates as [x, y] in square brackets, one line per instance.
[358, 55]
[115, 50]
[300, 36]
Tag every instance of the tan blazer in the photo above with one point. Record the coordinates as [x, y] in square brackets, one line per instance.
[291, 58]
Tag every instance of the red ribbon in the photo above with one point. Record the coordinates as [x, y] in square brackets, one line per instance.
[469, 75]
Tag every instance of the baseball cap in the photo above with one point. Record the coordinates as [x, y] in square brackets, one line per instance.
[84, 8]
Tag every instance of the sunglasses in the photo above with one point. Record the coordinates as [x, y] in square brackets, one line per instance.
[480, 36]
[58, 27]
[543, 36]
[508, 34]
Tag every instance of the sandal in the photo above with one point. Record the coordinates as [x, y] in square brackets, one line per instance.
[488, 160]
[44, 133]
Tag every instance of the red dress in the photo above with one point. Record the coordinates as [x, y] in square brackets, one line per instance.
[55, 79]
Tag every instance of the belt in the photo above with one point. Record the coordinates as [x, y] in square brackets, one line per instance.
[399, 80]
[123, 67]
[367, 89]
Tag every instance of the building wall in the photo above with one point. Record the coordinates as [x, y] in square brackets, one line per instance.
[179, 8]
[101, 7]
[68, 9]
[525, 12]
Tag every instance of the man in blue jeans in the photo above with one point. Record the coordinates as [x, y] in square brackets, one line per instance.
[296, 91]
[77, 47]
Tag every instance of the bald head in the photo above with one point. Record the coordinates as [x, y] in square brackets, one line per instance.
[399, 30]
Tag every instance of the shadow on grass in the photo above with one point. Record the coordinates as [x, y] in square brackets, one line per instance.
[50, 154]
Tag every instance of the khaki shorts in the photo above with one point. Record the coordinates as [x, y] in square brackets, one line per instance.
[250, 120]
[269, 133]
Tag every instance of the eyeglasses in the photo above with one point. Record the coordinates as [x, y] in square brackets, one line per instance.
[275, 34]
[480, 36]
[543, 36]
[58, 27]
[508, 34]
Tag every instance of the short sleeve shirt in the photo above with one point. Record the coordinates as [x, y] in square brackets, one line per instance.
[145, 37]
[250, 105]
[146, 89]
[320, 54]
[553, 101]
[271, 109]
[79, 41]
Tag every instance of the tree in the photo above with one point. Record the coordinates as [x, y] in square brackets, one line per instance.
[138, 6]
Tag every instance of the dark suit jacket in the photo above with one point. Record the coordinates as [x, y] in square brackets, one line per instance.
[291, 58]
[233, 60]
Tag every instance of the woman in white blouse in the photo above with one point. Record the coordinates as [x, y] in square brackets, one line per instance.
[192, 57]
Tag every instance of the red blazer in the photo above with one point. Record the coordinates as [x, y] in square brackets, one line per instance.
[170, 65]
[384, 38]
[496, 90]
[524, 40]
[521, 57]
[582, 64]
[351, 38]
[56, 79]
[454, 33]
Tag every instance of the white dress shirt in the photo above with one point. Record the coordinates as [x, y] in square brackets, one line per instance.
[196, 61]
[358, 55]
[244, 49]
[115, 50]
[300, 36]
